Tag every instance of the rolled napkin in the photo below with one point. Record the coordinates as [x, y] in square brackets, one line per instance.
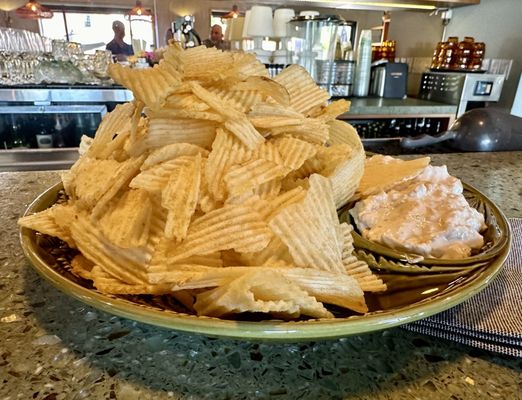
[492, 319]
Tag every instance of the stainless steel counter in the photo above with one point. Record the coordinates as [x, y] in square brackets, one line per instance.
[80, 103]
[37, 159]
[376, 106]
[64, 94]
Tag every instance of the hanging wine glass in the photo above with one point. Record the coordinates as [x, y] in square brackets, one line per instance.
[4, 72]
[18, 48]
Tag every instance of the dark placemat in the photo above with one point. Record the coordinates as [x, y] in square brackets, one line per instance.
[491, 320]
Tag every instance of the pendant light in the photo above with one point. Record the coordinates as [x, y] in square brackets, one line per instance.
[234, 13]
[10, 5]
[34, 10]
[139, 11]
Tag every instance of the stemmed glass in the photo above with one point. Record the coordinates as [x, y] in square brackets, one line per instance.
[4, 51]
[59, 50]
[102, 60]
[11, 47]
[47, 44]
[35, 50]
[19, 51]
[19, 54]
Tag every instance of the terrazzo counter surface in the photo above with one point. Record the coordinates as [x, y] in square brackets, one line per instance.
[55, 347]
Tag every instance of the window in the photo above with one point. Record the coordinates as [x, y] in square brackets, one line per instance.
[216, 18]
[94, 29]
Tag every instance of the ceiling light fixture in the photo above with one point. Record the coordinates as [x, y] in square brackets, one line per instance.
[10, 5]
[34, 10]
[375, 4]
[139, 10]
[394, 5]
[234, 13]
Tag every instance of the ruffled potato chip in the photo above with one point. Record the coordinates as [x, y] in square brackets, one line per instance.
[218, 187]
[180, 197]
[267, 292]
[304, 93]
[53, 221]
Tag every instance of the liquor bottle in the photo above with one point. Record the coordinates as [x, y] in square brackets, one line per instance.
[44, 139]
[4, 134]
[408, 127]
[17, 137]
[465, 53]
[421, 126]
[479, 49]
[450, 53]
[427, 127]
[58, 134]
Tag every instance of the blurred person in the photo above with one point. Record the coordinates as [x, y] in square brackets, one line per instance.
[119, 49]
[216, 38]
[169, 35]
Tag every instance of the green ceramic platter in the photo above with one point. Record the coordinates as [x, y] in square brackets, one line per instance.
[407, 301]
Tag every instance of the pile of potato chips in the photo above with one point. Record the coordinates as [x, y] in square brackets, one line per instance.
[219, 186]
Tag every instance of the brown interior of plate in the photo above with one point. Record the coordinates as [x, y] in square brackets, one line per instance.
[404, 289]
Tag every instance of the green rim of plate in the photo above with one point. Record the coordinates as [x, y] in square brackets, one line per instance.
[269, 330]
[495, 220]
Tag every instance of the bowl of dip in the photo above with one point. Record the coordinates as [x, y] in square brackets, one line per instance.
[419, 237]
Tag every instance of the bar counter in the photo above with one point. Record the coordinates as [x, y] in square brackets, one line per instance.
[63, 93]
[55, 347]
[377, 106]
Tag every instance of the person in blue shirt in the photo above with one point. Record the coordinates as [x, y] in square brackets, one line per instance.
[117, 46]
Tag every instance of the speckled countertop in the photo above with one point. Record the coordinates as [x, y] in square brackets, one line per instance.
[55, 347]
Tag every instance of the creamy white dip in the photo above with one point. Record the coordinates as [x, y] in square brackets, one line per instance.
[427, 215]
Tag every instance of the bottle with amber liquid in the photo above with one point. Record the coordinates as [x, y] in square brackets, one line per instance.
[391, 45]
[437, 56]
[376, 52]
[479, 49]
[384, 50]
[450, 53]
[465, 52]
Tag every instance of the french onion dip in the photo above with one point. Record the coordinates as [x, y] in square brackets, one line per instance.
[427, 215]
